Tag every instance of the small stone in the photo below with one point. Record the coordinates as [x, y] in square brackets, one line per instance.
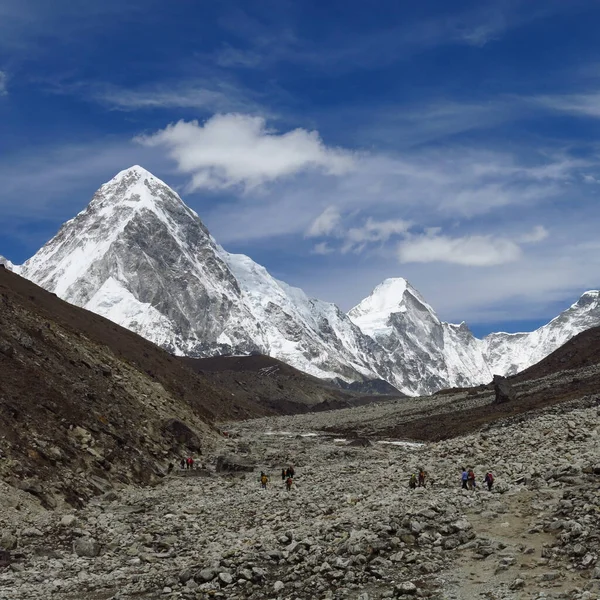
[278, 586]
[68, 520]
[406, 587]
[225, 578]
[205, 575]
[517, 584]
[8, 541]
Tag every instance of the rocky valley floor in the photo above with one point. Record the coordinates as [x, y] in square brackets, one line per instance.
[349, 528]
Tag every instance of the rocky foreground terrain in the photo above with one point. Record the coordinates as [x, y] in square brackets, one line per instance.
[349, 528]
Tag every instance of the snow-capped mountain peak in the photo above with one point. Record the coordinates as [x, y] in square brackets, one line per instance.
[139, 256]
[393, 295]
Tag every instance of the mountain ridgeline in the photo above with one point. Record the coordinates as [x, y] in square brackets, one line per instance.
[140, 257]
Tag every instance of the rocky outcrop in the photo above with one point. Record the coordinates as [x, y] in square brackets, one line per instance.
[503, 390]
[234, 464]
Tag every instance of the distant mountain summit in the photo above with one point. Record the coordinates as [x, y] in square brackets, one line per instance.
[140, 257]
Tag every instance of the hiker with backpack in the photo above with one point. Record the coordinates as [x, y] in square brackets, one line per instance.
[264, 479]
[471, 483]
[464, 478]
[288, 483]
[489, 479]
[412, 483]
[422, 476]
[283, 474]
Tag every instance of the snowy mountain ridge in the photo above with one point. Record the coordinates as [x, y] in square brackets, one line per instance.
[140, 257]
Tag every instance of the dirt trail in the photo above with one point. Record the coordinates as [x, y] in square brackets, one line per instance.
[509, 530]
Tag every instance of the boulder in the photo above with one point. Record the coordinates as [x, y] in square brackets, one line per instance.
[183, 434]
[362, 442]
[4, 558]
[504, 390]
[86, 546]
[229, 463]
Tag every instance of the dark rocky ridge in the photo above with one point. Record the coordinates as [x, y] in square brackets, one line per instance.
[282, 388]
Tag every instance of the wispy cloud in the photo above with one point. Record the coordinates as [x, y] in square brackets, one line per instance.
[3, 83]
[322, 248]
[240, 150]
[585, 104]
[326, 223]
[209, 95]
[365, 49]
[537, 234]
[472, 250]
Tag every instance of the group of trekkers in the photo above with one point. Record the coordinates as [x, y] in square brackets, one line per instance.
[418, 480]
[187, 463]
[287, 476]
[468, 481]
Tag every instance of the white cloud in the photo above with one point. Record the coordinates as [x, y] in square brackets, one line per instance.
[209, 94]
[537, 234]
[357, 238]
[326, 223]
[587, 104]
[239, 150]
[472, 250]
[3, 81]
[322, 248]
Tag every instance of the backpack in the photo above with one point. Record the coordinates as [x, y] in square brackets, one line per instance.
[490, 478]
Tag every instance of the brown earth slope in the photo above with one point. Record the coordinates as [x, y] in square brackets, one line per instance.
[276, 385]
[86, 405]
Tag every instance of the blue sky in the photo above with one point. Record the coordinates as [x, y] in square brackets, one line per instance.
[337, 143]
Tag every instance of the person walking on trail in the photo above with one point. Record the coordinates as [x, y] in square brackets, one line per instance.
[489, 479]
[412, 483]
[264, 479]
[464, 478]
[290, 471]
[288, 483]
[422, 478]
[283, 474]
[471, 480]
[182, 463]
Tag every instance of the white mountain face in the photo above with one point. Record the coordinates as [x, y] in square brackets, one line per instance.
[427, 354]
[509, 353]
[140, 257]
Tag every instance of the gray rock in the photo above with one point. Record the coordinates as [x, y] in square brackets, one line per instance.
[86, 546]
[504, 391]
